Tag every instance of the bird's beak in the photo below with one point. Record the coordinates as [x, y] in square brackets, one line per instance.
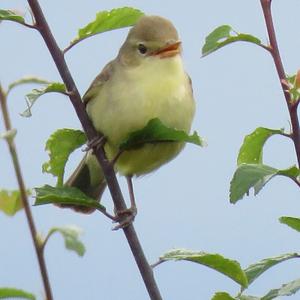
[168, 50]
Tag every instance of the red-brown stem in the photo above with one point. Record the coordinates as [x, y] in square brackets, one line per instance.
[13, 152]
[274, 50]
[110, 176]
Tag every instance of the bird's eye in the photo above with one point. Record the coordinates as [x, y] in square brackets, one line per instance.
[142, 48]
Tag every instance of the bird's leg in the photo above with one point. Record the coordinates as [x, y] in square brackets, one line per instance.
[127, 216]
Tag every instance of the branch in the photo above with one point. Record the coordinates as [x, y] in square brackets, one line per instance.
[110, 176]
[24, 198]
[274, 50]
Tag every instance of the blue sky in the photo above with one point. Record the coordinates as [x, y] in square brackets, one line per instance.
[185, 204]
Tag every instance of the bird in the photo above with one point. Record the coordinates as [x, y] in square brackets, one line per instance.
[146, 80]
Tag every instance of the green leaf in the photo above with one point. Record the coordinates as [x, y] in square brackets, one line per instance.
[7, 293]
[54, 87]
[222, 296]
[223, 36]
[247, 176]
[59, 146]
[10, 201]
[71, 237]
[255, 270]
[64, 195]
[287, 289]
[108, 20]
[291, 222]
[228, 267]
[255, 176]
[10, 15]
[155, 131]
[251, 151]
[27, 80]
[246, 297]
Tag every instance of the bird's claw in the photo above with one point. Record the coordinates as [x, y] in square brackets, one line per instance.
[125, 217]
[96, 142]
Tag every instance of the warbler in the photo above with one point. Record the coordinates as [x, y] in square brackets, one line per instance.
[146, 80]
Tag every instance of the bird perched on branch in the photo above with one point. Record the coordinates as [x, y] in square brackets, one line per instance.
[146, 80]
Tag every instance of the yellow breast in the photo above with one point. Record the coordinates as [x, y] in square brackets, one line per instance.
[158, 88]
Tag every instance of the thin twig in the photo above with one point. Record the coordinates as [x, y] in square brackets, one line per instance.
[24, 198]
[108, 171]
[274, 50]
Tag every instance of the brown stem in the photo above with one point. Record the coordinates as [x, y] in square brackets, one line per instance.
[110, 176]
[24, 198]
[274, 50]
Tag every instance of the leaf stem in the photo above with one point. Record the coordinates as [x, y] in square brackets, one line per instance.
[113, 185]
[24, 198]
[274, 50]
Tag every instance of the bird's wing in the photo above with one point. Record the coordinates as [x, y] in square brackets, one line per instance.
[98, 82]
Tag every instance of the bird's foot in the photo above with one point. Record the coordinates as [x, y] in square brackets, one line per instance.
[96, 142]
[125, 217]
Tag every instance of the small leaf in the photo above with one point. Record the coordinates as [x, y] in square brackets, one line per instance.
[251, 151]
[255, 270]
[7, 293]
[54, 87]
[246, 297]
[71, 237]
[108, 20]
[291, 222]
[223, 36]
[10, 15]
[287, 289]
[222, 296]
[228, 267]
[26, 80]
[10, 202]
[247, 176]
[155, 131]
[64, 195]
[255, 176]
[59, 146]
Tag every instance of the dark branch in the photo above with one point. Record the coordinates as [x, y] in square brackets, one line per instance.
[110, 176]
[274, 50]
[24, 198]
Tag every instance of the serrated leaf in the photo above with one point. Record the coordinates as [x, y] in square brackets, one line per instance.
[64, 195]
[228, 267]
[59, 147]
[251, 151]
[247, 176]
[27, 80]
[224, 35]
[287, 289]
[256, 269]
[291, 222]
[10, 15]
[255, 176]
[155, 131]
[222, 296]
[8, 293]
[108, 20]
[10, 201]
[71, 238]
[54, 87]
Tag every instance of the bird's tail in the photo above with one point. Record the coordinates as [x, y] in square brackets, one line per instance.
[89, 178]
